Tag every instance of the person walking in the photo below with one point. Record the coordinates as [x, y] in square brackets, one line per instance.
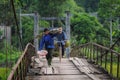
[61, 36]
[47, 42]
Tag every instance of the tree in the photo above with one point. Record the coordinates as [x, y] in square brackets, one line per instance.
[109, 8]
[56, 7]
[86, 28]
[6, 16]
[28, 29]
[108, 13]
[88, 5]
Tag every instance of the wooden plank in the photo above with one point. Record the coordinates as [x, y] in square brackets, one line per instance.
[103, 76]
[69, 72]
[56, 70]
[66, 70]
[85, 69]
[43, 71]
[59, 77]
[90, 68]
[93, 77]
[49, 70]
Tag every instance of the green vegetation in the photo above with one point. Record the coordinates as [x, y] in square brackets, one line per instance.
[88, 5]
[85, 25]
[87, 28]
[10, 57]
[3, 74]
[9, 54]
[114, 68]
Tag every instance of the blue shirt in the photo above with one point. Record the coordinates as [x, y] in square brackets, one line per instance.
[61, 37]
[47, 41]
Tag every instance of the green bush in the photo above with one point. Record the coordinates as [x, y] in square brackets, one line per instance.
[1, 56]
[12, 55]
[3, 73]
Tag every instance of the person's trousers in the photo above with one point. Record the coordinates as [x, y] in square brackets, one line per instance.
[62, 50]
[62, 47]
[49, 55]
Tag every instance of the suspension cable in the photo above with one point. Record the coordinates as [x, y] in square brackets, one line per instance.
[6, 51]
[10, 52]
[16, 21]
[5, 48]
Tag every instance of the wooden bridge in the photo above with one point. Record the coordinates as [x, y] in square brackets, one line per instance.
[68, 69]
[87, 62]
[93, 64]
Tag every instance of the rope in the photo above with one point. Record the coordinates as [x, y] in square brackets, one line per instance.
[16, 21]
[6, 51]
[10, 43]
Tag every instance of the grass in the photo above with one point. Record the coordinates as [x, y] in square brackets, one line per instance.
[114, 69]
[4, 73]
[10, 57]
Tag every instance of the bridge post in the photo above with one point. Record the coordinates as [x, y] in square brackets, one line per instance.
[36, 28]
[67, 22]
[20, 25]
[111, 33]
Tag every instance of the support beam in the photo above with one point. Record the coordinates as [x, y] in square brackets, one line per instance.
[36, 28]
[67, 22]
[32, 14]
[20, 24]
[110, 32]
[52, 18]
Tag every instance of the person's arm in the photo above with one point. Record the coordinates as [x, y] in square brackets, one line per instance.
[65, 36]
[53, 35]
[41, 43]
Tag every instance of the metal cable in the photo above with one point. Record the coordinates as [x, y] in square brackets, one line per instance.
[16, 21]
[6, 50]
[10, 43]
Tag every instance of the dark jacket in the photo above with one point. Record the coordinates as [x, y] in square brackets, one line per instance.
[47, 41]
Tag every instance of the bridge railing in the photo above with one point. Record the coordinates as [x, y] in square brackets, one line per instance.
[107, 59]
[19, 71]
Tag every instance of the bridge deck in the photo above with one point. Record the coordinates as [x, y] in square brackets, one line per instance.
[67, 69]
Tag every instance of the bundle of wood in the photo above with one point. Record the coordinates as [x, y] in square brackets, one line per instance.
[39, 60]
[42, 53]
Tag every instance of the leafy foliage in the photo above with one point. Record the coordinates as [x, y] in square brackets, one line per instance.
[82, 24]
[5, 18]
[88, 5]
[28, 30]
[56, 8]
[86, 27]
[3, 73]
[109, 8]
[109, 11]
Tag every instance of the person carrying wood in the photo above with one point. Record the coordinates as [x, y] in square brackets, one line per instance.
[47, 41]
